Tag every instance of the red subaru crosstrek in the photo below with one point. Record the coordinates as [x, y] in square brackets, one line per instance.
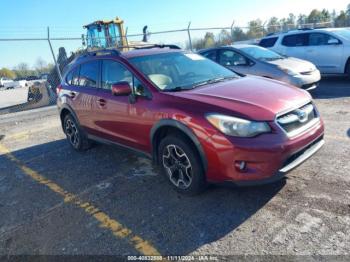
[199, 121]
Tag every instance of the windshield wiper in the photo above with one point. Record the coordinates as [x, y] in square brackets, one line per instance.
[213, 80]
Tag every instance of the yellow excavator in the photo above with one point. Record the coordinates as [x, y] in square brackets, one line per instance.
[100, 34]
[103, 34]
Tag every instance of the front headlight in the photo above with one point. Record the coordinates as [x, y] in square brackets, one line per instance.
[289, 71]
[234, 126]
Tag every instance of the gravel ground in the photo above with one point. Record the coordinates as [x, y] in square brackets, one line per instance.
[306, 214]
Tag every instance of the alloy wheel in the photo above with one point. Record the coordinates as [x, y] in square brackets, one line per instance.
[177, 166]
[72, 133]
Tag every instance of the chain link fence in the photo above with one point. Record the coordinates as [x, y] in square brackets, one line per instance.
[27, 94]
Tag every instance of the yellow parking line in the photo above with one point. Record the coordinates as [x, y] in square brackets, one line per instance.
[25, 134]
[117, 229]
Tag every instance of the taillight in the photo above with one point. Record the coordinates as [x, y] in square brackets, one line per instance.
[58, 89]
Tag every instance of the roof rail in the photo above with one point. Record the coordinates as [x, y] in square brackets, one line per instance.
[103, 52]
[305, 29]
[98, 53]
[157, 46]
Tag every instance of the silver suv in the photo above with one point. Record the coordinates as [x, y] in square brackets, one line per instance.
[327, 48]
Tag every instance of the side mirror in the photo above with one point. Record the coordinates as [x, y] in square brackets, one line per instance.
[121, 89]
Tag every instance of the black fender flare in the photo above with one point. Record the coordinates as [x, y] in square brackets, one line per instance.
[186, 130]
[71, 111]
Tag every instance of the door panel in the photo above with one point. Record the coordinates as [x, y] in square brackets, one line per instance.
[295, 45]
[114, 117]
[80, 99]
[327, 57]
[122, 122]
[111, 116]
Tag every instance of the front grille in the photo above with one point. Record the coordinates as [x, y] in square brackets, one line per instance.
[298, 118]
[298, 154]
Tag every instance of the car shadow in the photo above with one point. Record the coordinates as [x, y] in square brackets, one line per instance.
[139, 198]
[332, 87]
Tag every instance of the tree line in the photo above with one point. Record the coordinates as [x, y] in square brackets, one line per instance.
[23, 70]
[257, 29]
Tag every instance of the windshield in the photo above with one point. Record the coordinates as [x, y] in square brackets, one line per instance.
[343, 32]
[179, 71]
[261, 53]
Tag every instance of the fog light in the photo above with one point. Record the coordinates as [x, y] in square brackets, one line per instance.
[240, 165]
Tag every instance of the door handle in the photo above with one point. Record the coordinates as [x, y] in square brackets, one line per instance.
[72, 94]
[101, 102]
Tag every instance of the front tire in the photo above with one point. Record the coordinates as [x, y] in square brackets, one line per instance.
[74, 134]
[347, 69]
[181, 165]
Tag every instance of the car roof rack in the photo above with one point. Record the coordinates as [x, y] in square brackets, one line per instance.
[305, 29]
[100, 52]
[103, 52]
[157, 46]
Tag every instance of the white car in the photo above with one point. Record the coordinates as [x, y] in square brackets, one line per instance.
[327, 48]
[4, 81]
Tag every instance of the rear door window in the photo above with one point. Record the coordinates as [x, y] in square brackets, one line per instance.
[268, 42]
[295, 40]
[89, 74]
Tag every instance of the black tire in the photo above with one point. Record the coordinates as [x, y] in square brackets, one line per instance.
[347, 69]
[75, 136]
[187, 169]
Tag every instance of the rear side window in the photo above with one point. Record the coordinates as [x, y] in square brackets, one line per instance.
[295, 40]
[268, 42]
[72, 77]
[89, 74]
[316, 39]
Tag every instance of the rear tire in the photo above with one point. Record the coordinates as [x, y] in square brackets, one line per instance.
[75, 136]
[181, 164]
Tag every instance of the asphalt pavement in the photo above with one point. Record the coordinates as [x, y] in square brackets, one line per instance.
[111, 201]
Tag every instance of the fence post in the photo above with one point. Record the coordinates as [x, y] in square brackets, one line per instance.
[189, 36]
[233, 22]
[126, 38]
[53, 54]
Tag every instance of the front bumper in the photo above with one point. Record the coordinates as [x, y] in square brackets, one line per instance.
[306, 82]
[268, 157]
[295, 160]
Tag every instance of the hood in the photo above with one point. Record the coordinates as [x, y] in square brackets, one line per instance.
[295, 64]
[252, 97]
